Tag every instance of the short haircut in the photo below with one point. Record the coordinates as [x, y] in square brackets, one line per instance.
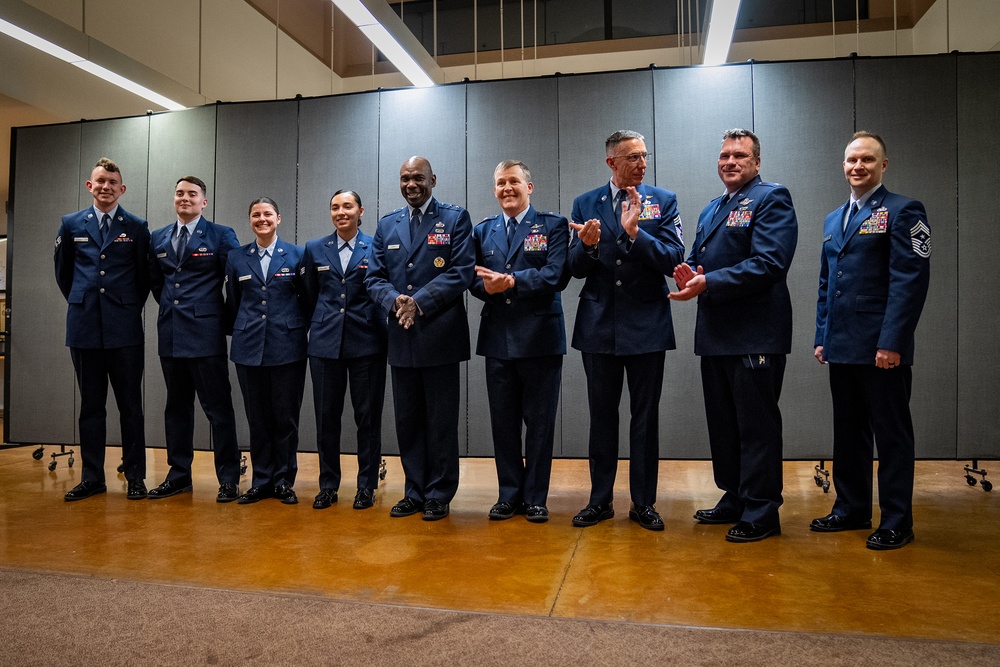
[197, 181]
[865, 134]
[739, 133]
[264, 200]
[108, 165]
[618, 137]
[354, 194]
[510, 164]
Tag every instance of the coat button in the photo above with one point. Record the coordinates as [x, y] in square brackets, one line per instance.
[409, 287]
[343, 280]
[102, 290]
[343, 296]
[263, 303]
[840, 273]
[410, 265]
[618, 283]
[702, 250]
[263, 317]
[838, 293]
[176, 302]
[102, 273]
[618, 262]
[177, 284]
[508, 302]
[263, 288]
[102, 256]
[341, 310]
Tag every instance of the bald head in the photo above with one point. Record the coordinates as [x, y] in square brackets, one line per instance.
[416, 181]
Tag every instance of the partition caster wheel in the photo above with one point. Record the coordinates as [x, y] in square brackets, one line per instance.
[71, 461]
[52, 466]
[381, 470]
[970, 480]
[243, 465]
[38, 454]
[987, 485]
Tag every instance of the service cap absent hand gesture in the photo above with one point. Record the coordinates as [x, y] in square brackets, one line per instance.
[494, 282]
[406, 310]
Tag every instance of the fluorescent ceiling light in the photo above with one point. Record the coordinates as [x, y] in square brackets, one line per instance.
[48, 47]
[362, 17]
[721, 24]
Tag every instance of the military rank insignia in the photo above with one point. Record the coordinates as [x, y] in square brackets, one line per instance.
[439, 239]
[536, 243]
[877, 224]
[739, 218]
[920, 238]
[439, 262]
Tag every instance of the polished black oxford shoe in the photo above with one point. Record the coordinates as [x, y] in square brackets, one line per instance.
[435, 510]
[716, 516]
[536, 513]
[646, 516]
[885, 539]
[591, 515]
[255, 494]
[167, 489]
[364, 499]
[834, 523]
[85, 490]
[286, 494]
[503, 510]
[406, 507]
[136, 490]
[744, 531]
[324, 499]
[228, 492]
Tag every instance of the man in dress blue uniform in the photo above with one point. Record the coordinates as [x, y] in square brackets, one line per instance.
[520, 269]
[874, 275]
[422, 261]
[744, 245]
[347, 345]
[187, 261]
[100, 265]
[628, 236]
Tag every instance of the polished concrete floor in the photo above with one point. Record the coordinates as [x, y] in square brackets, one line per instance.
[946, 585]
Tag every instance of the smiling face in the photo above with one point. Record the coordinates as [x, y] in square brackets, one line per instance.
[864, 164]
[737, 163]
[628, 163]
[416, 181]
[106, 187]
[189, 201]
[264, 221]
[512, 190]
[345, 213]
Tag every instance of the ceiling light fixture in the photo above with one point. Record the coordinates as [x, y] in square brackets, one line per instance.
[721, 24]
[34, 41]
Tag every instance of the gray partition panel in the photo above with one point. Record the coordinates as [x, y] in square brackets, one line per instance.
[804, 116]
[979, 223]
[591, 107]
[694, 107]
[41, 388]
[514, 119]
[181, 143]
[902, 99]
[429, 122]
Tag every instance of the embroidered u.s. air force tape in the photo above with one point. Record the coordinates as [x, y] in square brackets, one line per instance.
[322, 268]
[242, 278]
[920, 239]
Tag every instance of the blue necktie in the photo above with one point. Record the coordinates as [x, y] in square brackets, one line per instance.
[850, 215]
[511, 229]
[105, 225]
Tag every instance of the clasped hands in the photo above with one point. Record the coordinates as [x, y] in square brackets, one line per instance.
[406, 310]
[590, 231]
[494, 282]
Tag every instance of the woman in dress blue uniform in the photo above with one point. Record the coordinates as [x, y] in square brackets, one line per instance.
[269, 350]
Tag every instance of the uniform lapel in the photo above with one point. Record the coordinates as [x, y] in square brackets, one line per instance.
[521, 233]
[93, 226]
[253, 262]
[278, 260]
[403, 229]
[497, 235]
[426, 224]
[115, 228]
[360, 247]
[606, 209]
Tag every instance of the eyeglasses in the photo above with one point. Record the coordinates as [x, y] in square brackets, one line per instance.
[633, 158]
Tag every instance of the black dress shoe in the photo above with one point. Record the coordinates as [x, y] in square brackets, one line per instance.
[136, 490]
[502, 511]
[85, 490]
[591, 515]
[745, 531]
[884, 539]
[406, 507]
[364, 499]
[536, 513]
[167, 489]
[324, 499]
[716, 515]
[228, 492]
[435, 510]
[286, 494]
[255, 494]
[646, 516]
[834, 523]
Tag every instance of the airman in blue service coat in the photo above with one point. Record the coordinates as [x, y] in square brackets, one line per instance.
[520, 269]
[422, 261]
[100, 266]
[623, 324]
[187, 264]
[874, 275]
[744, 245]
[347, 345]
[269, 350]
